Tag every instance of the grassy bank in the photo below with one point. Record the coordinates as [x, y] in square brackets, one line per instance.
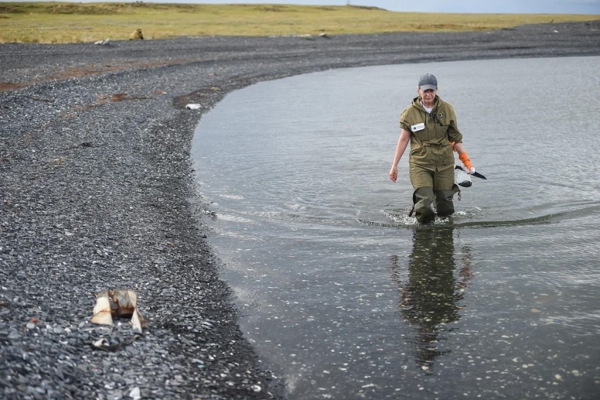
[88, 22]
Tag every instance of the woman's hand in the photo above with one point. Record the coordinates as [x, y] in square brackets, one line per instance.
[394, 173]
[400, 147]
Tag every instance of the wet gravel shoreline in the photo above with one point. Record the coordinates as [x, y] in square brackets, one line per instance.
[97, 192]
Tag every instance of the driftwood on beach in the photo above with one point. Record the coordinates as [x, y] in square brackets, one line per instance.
[97, 191]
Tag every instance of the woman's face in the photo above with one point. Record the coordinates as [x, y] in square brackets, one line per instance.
[427, 95]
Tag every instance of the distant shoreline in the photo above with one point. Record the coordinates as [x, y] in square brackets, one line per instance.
[70, 22]
[98, 192]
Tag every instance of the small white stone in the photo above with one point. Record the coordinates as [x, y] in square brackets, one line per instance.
[135, 393]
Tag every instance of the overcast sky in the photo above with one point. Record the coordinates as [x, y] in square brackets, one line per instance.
[458, 6]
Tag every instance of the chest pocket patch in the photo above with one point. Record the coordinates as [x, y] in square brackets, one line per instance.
[417, 127]
[439, 119]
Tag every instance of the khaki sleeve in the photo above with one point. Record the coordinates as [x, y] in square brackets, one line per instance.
[404, 124]
[454, 134]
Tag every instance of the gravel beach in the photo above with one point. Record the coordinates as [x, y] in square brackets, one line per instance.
[97, 192]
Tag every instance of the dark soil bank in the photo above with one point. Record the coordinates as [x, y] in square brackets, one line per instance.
[97, 192]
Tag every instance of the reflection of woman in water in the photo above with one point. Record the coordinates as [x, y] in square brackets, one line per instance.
[430, 297]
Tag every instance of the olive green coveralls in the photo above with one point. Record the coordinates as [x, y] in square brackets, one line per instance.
[431, 161]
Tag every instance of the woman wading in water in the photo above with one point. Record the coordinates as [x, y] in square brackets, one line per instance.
[429, 123]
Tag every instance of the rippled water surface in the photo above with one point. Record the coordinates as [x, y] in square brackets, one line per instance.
[344, 296]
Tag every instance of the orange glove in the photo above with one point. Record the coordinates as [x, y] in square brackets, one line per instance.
[464, 157]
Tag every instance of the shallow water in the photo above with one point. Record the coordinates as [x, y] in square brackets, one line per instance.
[344, 296]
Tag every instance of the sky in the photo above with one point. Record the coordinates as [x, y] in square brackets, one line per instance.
[457, 6]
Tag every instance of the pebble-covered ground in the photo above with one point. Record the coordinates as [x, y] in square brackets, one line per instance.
[97, 192]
